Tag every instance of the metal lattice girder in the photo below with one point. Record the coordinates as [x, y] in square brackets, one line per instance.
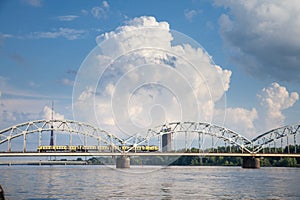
[206, 128]
[69, 126]
[273, 135]
[75, 127]
[134, 141]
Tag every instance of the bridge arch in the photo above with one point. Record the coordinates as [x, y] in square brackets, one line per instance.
[227, 135]
[69, 126]
[74, 127]
[274, 135]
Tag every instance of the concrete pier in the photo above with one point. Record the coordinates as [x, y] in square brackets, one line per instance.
[123, 162]
[251, 162]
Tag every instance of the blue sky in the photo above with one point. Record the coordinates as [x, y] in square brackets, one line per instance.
[44, 43]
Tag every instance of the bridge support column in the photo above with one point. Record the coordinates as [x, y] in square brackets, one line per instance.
[251, 162]
[123, 162]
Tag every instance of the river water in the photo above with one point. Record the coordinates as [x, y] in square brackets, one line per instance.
[103, 182]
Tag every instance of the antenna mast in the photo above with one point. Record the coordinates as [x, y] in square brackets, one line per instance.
[52, 108]
[52, 134]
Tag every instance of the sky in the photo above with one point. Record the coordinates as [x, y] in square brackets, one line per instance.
[127, 66]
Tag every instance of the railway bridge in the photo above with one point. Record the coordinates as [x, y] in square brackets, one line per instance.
[175, 139]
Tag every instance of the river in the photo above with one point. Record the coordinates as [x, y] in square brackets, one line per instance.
[148, 182]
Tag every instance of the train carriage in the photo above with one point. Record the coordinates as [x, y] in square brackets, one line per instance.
[82, 148]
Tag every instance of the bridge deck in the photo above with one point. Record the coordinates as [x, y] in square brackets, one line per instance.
[36, 154]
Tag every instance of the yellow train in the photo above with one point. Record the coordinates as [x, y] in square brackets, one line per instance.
[82, 148]
[139, 148]
[68, 148]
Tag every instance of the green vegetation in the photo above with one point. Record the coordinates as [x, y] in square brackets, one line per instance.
[208, 161]
[196, 161]
[280, 162]
[101, 161]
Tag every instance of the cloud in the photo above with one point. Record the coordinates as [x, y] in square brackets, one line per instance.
[138, 78]
[264, 37]
[190, 14]
[33, 84]
[68, 33]
[4, 37]
[47, 114]
[84, 12]
[240, 120]
[274, 99]
[34, 3]
[21, 105]
[7, 114]
[67, 17]
[86, 95]
[16, 110]
[100, 11]
[66, 81]
[105, 4]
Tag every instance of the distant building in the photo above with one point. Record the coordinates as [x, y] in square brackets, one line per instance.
[167, 141]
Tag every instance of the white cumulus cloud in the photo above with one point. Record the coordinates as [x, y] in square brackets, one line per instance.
[105, 4]
[142, 75]
[47, 114]
[100, 11]
[241, 120]
[274, 99]
[191, 14]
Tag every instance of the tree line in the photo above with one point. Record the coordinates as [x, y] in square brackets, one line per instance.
[209, 160]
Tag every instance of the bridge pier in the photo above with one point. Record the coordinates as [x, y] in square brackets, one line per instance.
[251, 162]
[123, 162]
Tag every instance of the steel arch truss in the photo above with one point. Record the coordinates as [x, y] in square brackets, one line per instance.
[222, 133]
[271, 136]
[74, 127]
[69, 126]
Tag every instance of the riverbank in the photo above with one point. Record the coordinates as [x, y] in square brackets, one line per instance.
[44, 162]
[161, 161]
